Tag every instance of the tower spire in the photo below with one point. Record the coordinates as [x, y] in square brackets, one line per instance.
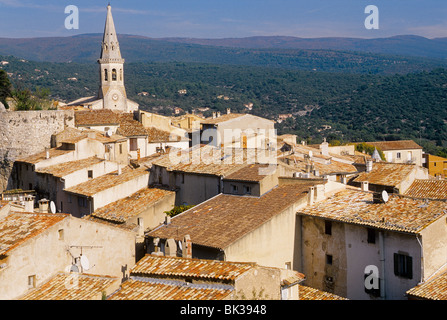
[110, 51]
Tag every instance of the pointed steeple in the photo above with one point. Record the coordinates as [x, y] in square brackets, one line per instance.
[110, 51]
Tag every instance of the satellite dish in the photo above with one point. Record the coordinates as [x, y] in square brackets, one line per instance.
[74, 268]
[85, 264]
[180, 244]
[52, 207]
[384, 196]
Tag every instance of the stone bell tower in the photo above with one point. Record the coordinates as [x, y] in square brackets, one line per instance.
[112, 90]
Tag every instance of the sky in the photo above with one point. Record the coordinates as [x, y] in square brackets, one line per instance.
[227, 18]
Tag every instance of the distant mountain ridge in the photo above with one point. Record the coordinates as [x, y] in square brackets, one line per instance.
[398, 45]
[398, 54]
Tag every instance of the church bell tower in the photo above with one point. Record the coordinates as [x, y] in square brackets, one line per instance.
[112, 90]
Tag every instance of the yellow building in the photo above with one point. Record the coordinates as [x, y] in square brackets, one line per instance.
[437, 166]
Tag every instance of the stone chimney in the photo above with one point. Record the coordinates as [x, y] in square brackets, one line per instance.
[43, 205]
[344, 179]
[47, 153]
[29, 203]
[228, 110]
[214, 115]
[324, 147]
[218, 114]
[369, 165]
[311, 196]
[319, 192]
[170, 248]
[365, 186]
[187, 247]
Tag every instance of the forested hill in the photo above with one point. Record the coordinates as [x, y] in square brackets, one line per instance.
[86, 48]
[338, 106]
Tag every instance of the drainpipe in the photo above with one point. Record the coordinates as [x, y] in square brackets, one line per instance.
[422, 259]
[382, 261]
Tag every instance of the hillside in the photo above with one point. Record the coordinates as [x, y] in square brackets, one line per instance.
[308, 56]
[338, 106]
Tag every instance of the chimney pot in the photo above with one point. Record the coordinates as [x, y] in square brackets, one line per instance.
[364, 185]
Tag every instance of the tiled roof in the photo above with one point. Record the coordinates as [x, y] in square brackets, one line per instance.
[251, 172]
[395, 145]
[399, 213]
[16, 228]
[386, 174]
[96, 117]
[122, 210]
[174, 267]
[428, 188]
[433, 289]
[72, 286]
[36, 158]
[106, 181]
[158, 135]
[92, 134]
[222, 118]
[155, 289]
[308, 293]
[129, 127]
[63, 169]
[331, 167]
[223, 219]
[202, 160]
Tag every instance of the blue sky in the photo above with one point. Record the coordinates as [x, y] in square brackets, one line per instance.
[228, 18]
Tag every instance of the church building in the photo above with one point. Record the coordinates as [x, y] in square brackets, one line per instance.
[112, 93]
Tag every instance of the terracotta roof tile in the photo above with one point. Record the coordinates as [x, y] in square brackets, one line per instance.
[38, 157]
[308, 293]
[106, 181]
[218, 222]
[428, 188]
[222, 118]
[96, 117]
[399, 213]
[251, 172]
[16, 228]
[154, 289]
[162, 266]
[386, 174]
[395, 145]
[433, 289]
[73, 286]
[122, 210]
[63, 169]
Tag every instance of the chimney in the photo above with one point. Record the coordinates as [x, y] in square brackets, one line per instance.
[156, 251]
[167, 219]
[218, 114]
[311, 196]
[187, 247]
[228, 110]
[369, 165]
[119, 169]
[214, 115]
[43, 205]
[344, 179]
[170, 248]
[319, 192]
[29, 203]
[324, 146]
[364, 185]
[47, 153]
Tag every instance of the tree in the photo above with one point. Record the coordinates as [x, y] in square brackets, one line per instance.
[5, 88]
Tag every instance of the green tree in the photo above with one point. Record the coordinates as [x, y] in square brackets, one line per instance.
[5, 88]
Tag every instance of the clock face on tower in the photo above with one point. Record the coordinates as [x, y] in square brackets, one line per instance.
[115, 96]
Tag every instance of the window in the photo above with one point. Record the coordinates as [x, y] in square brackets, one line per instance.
[234, 188]
[403, 265]
[31, 281]
[90, 174]
[247, 190]
[121, 148]
[398, 155]
[371, 235]
[328, 227]
[60, 234]
[106, 75]
[82, 202]
[113, 74]
[329, 259]
[133, 144]
[69, 198]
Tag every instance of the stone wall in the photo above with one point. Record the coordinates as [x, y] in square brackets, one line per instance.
[24, 133]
